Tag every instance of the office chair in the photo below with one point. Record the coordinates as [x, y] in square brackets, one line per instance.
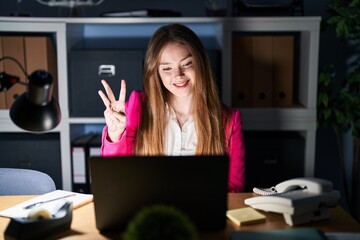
[14, 181]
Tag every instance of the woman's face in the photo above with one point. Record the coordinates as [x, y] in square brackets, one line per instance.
[177, 69]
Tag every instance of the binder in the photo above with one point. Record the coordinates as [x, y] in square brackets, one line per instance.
[80, 169]
[262, 71]
[95, 145]
[2, 100]
[2, 93]
[1, 55]
[283, 65]
[13, 46]
[82, 149]
[242, 71]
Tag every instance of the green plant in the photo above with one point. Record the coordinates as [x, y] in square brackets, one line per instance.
[345, 18]
[339, 106]
[339, 101]
[160, 222]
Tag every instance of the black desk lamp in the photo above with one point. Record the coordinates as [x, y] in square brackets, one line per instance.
[36, 110]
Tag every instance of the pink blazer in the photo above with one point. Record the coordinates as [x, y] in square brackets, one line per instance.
[234, 136]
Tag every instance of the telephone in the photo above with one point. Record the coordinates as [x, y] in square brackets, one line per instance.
[300, 200]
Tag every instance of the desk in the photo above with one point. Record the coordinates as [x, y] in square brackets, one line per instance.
[83, 223]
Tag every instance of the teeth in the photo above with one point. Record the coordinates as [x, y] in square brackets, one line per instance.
[180, 84]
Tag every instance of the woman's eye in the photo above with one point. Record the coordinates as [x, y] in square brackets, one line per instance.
[188, 64]
[167, 69]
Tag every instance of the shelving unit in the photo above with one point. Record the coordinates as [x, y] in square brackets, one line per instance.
[298, 118]
[216, 33]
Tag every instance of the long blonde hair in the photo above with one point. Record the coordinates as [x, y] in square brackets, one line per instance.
[208, 114]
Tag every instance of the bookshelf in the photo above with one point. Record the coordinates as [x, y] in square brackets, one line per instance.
[107, 34]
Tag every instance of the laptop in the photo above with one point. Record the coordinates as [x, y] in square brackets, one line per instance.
[197, 185]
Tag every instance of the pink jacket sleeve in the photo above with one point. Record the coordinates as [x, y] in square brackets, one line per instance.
[236, 151]
[125, 145]
[236, 147]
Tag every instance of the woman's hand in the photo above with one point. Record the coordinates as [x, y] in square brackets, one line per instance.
[115, 110]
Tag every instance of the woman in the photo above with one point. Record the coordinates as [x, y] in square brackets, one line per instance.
[179, 111]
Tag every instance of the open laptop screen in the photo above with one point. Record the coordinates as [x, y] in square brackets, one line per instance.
[122, 186]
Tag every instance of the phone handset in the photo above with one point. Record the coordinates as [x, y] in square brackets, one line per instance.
[315, 185]
[300, 200]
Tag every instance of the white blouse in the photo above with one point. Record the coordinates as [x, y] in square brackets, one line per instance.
[180, 141]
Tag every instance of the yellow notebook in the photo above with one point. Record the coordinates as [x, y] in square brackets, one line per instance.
[246, 215]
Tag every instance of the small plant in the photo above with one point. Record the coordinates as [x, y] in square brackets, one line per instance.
[160, 222]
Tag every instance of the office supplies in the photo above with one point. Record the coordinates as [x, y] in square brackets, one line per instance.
[262, 74]
[36, 204]
[81, 149]
[20, 210]
[95, 145]
[79, 158]
[242, 74]
[244, 216]
[25, 228]
[39, 213]
[83, 226]
[300, 200]
[122, 186]
[283, 70]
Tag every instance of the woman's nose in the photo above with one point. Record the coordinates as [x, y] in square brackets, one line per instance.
[179, 72]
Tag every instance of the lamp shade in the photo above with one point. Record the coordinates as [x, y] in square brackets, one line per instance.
[36, 110]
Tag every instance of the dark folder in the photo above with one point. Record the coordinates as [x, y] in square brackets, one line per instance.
[79, 163]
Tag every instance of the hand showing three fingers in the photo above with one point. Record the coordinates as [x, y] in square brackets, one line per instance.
[114, 113]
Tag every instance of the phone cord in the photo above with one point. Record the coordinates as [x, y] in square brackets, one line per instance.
[265, 191]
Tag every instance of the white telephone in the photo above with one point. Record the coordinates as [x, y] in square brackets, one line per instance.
[300, 200]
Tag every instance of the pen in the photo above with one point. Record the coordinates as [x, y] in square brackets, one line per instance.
[50, 200]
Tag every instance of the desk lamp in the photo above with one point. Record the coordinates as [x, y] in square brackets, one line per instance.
[36, 110]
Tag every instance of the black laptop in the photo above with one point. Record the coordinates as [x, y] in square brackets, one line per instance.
[122, 186]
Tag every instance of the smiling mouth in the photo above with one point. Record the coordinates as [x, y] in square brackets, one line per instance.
[182, 84]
